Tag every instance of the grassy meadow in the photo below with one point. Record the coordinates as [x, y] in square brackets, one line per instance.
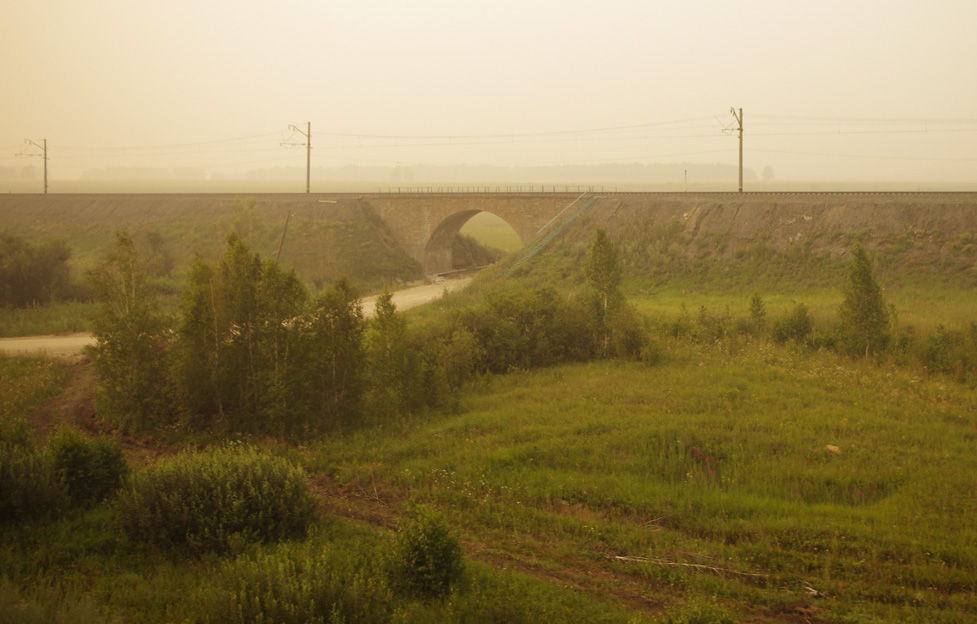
[735, 481]
[744, 473]
[732, 478]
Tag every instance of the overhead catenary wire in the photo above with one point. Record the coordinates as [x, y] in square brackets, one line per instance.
[922, 158]
[611, 139]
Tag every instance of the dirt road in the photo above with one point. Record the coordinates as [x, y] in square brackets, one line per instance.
[54, 346]
[413, 297]
[63, 346]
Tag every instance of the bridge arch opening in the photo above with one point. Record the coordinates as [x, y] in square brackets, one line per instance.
[445, 251]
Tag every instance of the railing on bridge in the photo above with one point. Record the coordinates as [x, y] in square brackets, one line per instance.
[499, 189]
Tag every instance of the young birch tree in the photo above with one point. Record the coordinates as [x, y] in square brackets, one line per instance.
[863, 316]
[603, 270]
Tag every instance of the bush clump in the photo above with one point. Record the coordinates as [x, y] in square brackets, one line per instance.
[89, 469]
[29, 488]
[211, 501]
[796, 326]
[300, 583]
[426, 558]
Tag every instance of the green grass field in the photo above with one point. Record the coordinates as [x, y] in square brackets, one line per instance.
[712, 475]
[727, 480]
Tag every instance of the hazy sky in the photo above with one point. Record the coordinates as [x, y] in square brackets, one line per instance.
[841, 89]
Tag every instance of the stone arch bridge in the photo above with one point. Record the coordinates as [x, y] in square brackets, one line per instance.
[425, 224]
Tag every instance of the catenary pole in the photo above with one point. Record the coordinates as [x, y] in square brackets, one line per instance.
[307, 133]
[739, 119]
[44, 155]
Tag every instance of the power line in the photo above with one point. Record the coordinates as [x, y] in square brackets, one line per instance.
[922, 158]
[891, 120]
[167, 145]
[507, 135]
[341, 145]
[862, 132]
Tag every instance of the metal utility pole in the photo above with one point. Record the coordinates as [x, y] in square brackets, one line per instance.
[44, 149]
[308, 150]
[739, 119]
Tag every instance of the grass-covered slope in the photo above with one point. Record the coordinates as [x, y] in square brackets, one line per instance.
[726, 243]
[323, 241]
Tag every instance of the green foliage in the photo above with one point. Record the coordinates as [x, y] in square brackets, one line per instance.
[616, 328]
[335, 354]
[89, 469]
[461, 354]
[396, 363]
[468, 253]
[426, 559]
[758, 312]
[131, 341]
[515, 328]
[159, 261]
[300, 583]
[249, 352]
[863, 316]
[216, 500]
[33, 276]
[950, 352]
[29, 487]
[47, 605]
[602, 268]
[235, 357]
[795, 326]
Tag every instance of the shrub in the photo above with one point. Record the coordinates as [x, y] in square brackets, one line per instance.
[299, 583]
[628, 335]
[426, 558]
[28, 486]
[796, 326]
[210, 501]
[90, 470]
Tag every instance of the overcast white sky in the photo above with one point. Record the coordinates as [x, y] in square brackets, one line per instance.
[840, 89]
